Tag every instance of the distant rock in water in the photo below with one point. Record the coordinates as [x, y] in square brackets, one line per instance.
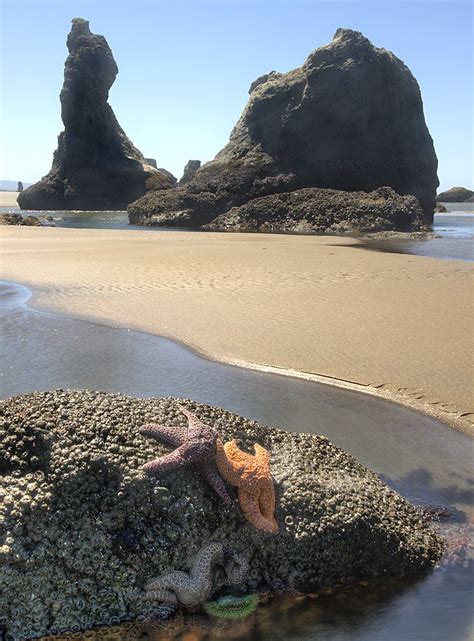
[455, 195]
[351, 118]
[325, 211]
[95, 165]
[27, 221]
[440, 209]
[191, 168]
[19, 187]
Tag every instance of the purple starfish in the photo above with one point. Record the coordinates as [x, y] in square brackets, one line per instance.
[196, 446]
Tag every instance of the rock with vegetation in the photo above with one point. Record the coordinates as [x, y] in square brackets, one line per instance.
[95, 166]
[350, 118]
[323, 211]
[83, 529]
[455, 195]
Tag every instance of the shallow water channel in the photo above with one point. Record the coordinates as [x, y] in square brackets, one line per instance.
[422, 458]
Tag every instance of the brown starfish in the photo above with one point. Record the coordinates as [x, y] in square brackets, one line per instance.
[251, 475]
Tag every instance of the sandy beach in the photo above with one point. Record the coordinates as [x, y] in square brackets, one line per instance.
[394, 325]
[8, 198]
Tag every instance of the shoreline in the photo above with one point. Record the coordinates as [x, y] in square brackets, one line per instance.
[111, 303]
[8, 198]
[265, 369]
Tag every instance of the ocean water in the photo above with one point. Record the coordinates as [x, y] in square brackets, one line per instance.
[455, 230]
[420, 457]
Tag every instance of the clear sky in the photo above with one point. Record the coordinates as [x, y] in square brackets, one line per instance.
[186, 66]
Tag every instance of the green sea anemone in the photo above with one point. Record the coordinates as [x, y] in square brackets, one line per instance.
[232, 607]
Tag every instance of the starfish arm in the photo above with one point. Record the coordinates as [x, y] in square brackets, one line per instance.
[172, 435]
[262, 455]
[161, 595]
[201, 572]
[169, 462]
[193, 420]
[206, 556]
[225, 466]
[241, 461]
[167, 580]
[266, 504]
[266, 501]
[237, 570]
[250, 507]
[172, 587]
[214, 479]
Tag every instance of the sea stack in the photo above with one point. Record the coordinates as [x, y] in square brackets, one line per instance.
[350, 118]
[95, 165]
[455, 195]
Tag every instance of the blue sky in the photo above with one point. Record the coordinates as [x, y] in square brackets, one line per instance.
[186, 66]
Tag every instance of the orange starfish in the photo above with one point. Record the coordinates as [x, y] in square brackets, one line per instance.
[251, 475]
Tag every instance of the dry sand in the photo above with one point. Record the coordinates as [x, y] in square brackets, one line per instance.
[8, 198]
[395, 325]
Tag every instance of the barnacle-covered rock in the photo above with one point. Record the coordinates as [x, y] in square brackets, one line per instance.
[83, 529]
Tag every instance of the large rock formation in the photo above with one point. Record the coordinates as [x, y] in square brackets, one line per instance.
[455, 195]
[351, 118]
[83, 528]
[95, 165]
[321, 211]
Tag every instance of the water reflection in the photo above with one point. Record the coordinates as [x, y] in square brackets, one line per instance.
[370, 612]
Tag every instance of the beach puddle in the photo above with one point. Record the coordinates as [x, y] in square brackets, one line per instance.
[423, 459]
[277, 617]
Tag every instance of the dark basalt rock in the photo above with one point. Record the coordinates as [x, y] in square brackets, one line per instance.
[322, 211]
[351, 118]
[455, 195]
[190, 169]
[28, 221]
[95, 165]
[11, 219]
[84, 529]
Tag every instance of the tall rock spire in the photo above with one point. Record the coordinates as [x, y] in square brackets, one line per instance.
[95, 165]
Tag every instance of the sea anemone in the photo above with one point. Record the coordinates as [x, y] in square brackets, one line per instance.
[232, 607]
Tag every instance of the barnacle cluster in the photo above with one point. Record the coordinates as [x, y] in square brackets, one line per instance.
[83, 529]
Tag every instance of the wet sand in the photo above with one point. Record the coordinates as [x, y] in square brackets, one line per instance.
[8, 198]
[323, 308]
